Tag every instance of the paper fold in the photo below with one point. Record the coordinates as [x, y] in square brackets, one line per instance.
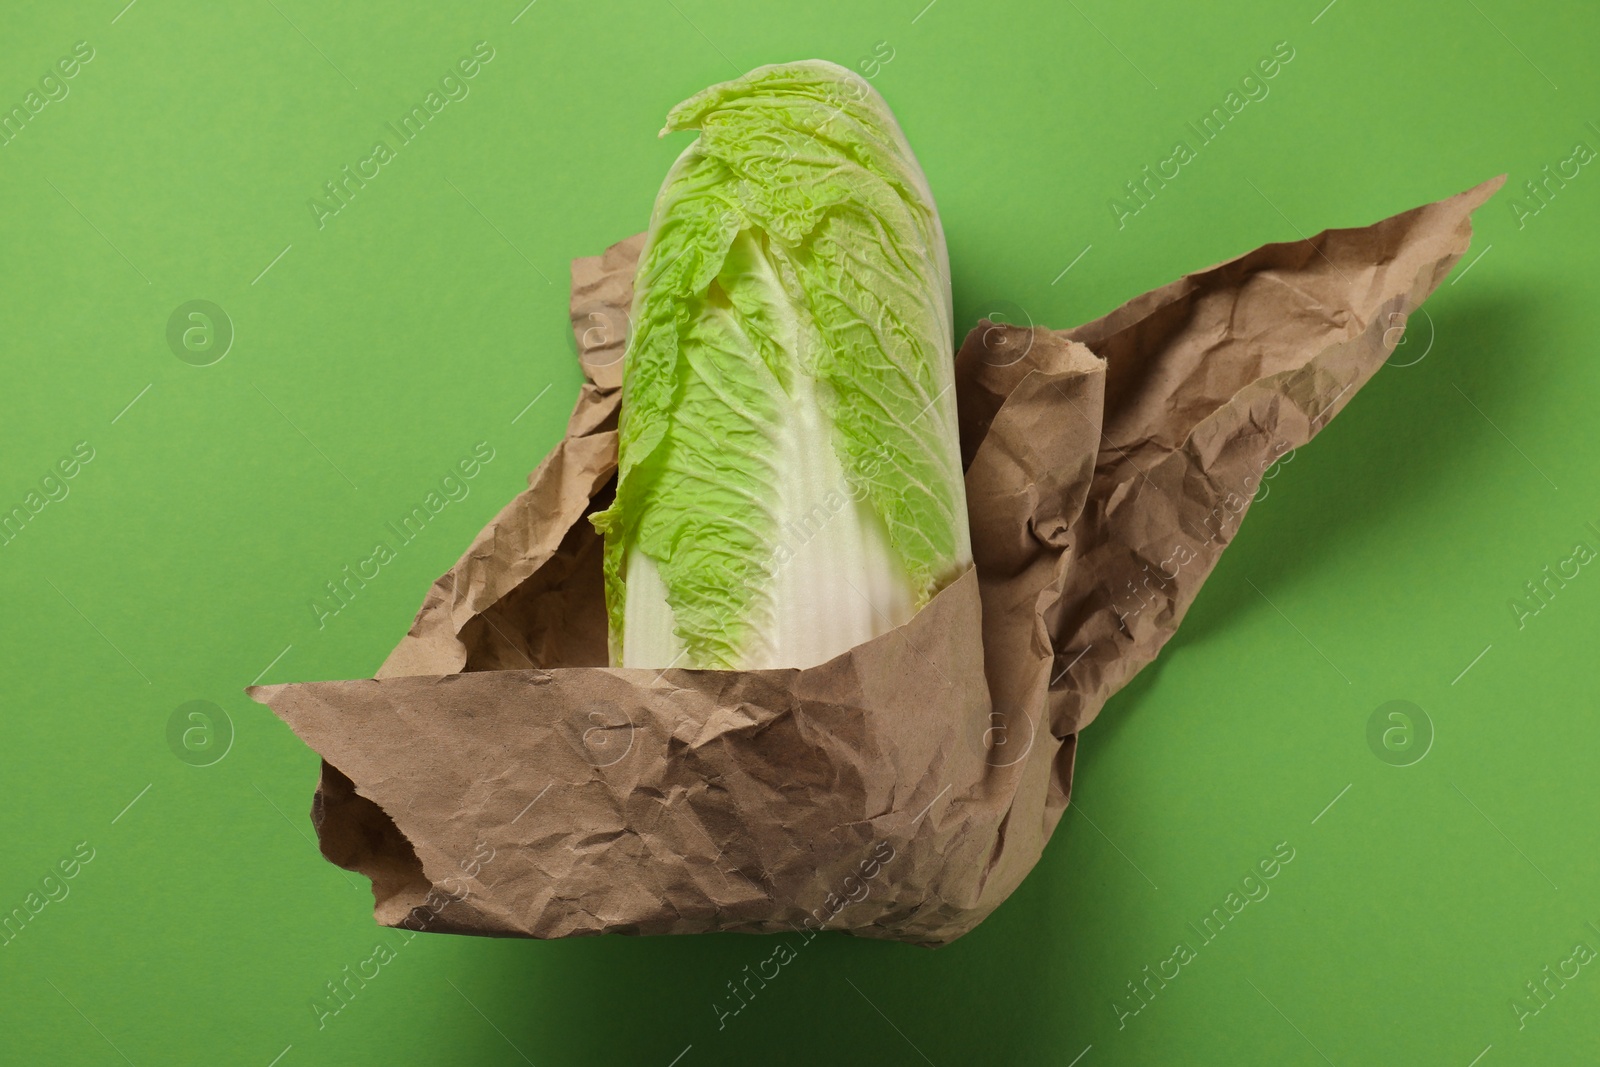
[497, 778]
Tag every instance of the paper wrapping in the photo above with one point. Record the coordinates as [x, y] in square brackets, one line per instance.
[497, 778]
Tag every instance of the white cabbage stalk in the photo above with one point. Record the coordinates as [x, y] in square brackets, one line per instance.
[789, 479]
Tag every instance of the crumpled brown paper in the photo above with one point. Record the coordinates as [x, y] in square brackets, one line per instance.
[497, 778]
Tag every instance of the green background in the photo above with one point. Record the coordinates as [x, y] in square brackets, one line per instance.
[373, 353]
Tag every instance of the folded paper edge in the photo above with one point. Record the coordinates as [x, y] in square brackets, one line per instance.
[310, 709]
[1141, 307]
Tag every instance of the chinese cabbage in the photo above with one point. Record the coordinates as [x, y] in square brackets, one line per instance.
[789, 480]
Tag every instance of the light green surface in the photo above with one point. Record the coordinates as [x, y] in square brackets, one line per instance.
[374, 353]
